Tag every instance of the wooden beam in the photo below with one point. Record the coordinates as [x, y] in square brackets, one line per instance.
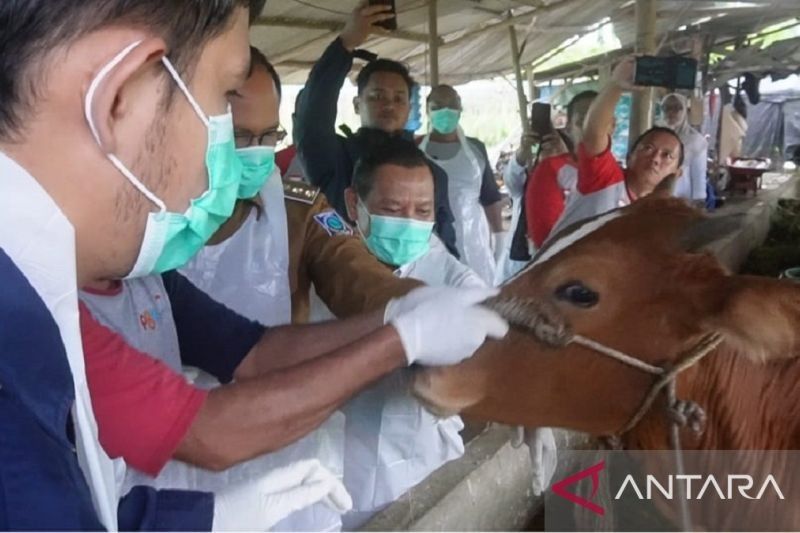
[333, 26]
[475, 32]
[521, 99]
[642, 106]
[433, 46]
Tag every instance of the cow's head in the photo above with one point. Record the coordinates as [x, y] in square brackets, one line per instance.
[634, 280]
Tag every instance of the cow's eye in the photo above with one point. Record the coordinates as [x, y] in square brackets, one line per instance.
[577, 294]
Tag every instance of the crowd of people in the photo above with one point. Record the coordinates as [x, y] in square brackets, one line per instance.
[191, 340]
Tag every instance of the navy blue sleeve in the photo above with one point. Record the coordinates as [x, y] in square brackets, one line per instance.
[327, 163]
[211, 336]
[444, 215]
[146, 509]
[490, 192]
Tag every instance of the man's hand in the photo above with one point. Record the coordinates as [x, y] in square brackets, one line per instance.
[362, 23]
[443, 326]
[553, 145]
[526, 143]
[623, 74]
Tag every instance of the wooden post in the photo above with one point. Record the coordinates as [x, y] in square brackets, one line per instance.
[642, 107]
[433, 43]
[531, 84]
[522, 100]
[697, 99]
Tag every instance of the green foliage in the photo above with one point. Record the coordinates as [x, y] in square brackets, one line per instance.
[781, 250]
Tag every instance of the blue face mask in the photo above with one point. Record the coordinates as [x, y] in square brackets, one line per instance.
[171, 239]
[445, 120]
[395, 241]
[258, 164]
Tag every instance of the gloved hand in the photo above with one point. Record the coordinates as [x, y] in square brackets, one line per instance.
[257, 505]
[544, 457]
[444, 326]
[499, 240]
[412, 300]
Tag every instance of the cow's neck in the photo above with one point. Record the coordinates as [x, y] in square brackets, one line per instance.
[749, 405]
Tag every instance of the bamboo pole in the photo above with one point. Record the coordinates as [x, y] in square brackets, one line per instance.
[522, 100]
[433, 44]
[642, 106]
[333, 26]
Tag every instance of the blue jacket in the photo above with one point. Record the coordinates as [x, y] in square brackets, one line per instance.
[41, 485]
[330, 159]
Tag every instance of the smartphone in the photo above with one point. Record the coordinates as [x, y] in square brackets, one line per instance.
[541, 123]
[674, 72]
[389, 24]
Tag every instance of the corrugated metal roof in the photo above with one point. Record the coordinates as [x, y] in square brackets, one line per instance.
[475, 35]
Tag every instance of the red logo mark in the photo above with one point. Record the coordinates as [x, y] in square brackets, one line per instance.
[593, 471]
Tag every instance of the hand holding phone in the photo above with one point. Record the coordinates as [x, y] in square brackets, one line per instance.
[390, 23]
[363, 22]
[623, 74]
[541, 122]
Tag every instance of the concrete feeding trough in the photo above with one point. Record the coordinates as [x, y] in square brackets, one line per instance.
[489, 488]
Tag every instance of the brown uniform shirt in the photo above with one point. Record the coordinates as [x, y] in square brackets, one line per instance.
[325, 252]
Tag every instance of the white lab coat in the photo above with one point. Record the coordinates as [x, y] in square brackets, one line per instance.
[392, 442]
[514, 176]
[249, 273]
[464, 180]
[692, 182]
[41, 242]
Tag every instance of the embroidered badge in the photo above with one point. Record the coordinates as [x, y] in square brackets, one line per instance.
[333, 223]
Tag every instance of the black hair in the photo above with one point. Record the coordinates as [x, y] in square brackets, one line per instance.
[659, 129]
[384, 65]
[31, 29]
[578, 98]
[258, 59]
[442, 86]
[739, 105]
[391, 150]
[256, 8]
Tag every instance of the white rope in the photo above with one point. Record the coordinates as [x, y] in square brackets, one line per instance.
[619, 356]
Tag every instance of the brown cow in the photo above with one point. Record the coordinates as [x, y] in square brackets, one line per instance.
[633, 280]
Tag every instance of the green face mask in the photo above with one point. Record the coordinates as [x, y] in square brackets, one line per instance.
[259, 165]
[445, 120]
[395, 241]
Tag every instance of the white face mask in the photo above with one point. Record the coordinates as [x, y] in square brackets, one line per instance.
[171, 239]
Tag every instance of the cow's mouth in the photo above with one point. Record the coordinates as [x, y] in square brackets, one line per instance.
[423, 389]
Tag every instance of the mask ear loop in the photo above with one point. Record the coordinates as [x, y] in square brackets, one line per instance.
[185, 90]
[89, 99]
[360, 206]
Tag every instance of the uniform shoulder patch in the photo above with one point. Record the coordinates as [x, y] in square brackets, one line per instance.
[300, 192]
[333, 223]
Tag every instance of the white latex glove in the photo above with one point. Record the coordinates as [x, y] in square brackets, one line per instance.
[499, 240]
[412, 300]
[544, 457]
[257, 505]
[447, 326]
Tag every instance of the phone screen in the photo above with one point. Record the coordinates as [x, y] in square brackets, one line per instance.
[390, 24]
[672, 72]
[541, 122]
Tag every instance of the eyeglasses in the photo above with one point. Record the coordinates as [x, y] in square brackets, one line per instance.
[271, 137]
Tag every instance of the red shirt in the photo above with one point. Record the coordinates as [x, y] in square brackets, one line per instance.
[545, 195]
[285, 157]
[143, 408]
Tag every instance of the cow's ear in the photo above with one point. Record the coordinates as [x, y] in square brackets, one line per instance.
[704, 231]
[666, 187]
[759, 317]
